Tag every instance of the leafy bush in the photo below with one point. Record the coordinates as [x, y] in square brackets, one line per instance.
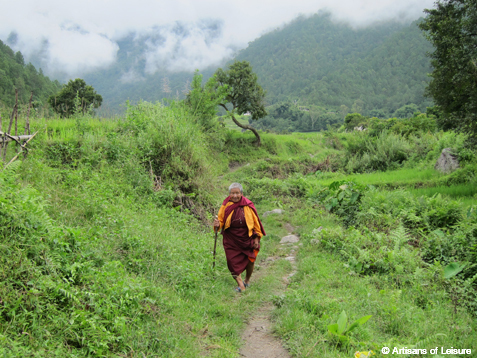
[341, 198]
[386, 151]
[172, 148]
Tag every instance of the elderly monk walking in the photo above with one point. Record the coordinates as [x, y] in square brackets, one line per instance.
[242, 231]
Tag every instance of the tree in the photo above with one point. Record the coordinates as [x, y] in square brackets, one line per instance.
[452, 28]
[406, 111]
[244, 94]
[64, 101]
[202, 101]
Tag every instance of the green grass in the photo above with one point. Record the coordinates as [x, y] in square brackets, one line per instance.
[407, 177]
[418, 312]
[465, 193]
[455, 191]
[134, 262]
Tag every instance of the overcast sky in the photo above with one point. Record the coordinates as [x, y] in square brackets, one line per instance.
[80, 36]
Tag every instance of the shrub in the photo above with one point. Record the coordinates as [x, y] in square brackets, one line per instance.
[171, 147]
[386, 151]
[341, 198]
[383, 209]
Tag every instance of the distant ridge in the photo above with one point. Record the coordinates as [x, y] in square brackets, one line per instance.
[313, 60]
[317, 61]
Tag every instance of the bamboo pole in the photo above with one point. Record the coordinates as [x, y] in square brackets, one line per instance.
[10, 125]
[16, 111]
[16, 138]
[27, 123]
[1, 135]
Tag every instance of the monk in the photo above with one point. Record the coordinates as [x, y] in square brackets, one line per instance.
[242, 231]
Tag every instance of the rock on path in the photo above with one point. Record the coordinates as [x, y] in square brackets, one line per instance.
[289, 239]
[274, 211]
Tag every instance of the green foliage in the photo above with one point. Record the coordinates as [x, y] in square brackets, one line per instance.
[384, 152]
[406, 111]
[75, 97]
[238, 86]
[14, 73]
[244, 93]
[57, 290]
[290, 117]
[203, 101]
[328, 64]
[341, 198]
[452, 269]
[353, 120]
[172, 146]
[341, 330]
[450, 28]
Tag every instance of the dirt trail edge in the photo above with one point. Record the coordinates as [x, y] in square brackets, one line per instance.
[258, 340]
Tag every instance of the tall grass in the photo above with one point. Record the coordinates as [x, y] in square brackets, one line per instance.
[465, 193]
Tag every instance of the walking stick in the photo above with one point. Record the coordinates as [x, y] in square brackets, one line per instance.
[215, 244]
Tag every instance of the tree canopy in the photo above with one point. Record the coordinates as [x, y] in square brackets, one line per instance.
[75, 95]
[202, 101]
[244, 93]
[14, 73]
[451, 28]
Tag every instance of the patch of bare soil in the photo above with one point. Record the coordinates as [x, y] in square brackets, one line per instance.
[258, 339]
[233, 166]
[289, 228]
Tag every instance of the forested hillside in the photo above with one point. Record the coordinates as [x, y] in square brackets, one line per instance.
[128, 79]
[373, 70]
[14, 73]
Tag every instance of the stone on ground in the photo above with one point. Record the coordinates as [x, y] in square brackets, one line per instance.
[447, 162]
[274, 211]
[289, 239]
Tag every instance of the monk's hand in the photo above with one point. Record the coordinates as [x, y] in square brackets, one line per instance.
[256, 243]
[216, 223]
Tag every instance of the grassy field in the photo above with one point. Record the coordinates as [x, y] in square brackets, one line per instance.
[465, 193]
[106, 243]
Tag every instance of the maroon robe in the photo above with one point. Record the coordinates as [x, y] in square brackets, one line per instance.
[238, 245]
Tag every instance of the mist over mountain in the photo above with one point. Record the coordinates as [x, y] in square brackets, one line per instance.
[313, 60]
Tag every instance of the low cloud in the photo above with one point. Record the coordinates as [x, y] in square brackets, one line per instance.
[75, 38]
[186, 47]
[131, 76]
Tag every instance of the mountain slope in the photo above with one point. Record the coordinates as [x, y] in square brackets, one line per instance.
[317, 61]
[14, 73]
[373, 70]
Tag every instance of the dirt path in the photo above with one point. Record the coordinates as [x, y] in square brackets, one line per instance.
[258, 340]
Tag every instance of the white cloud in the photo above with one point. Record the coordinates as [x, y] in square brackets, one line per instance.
[76, 37]
[187, 47]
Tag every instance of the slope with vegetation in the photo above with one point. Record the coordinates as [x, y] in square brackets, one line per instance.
[16, 74]
[317, 61]
[105, 251]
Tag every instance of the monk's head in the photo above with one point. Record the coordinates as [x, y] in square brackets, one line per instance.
[235, 192]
